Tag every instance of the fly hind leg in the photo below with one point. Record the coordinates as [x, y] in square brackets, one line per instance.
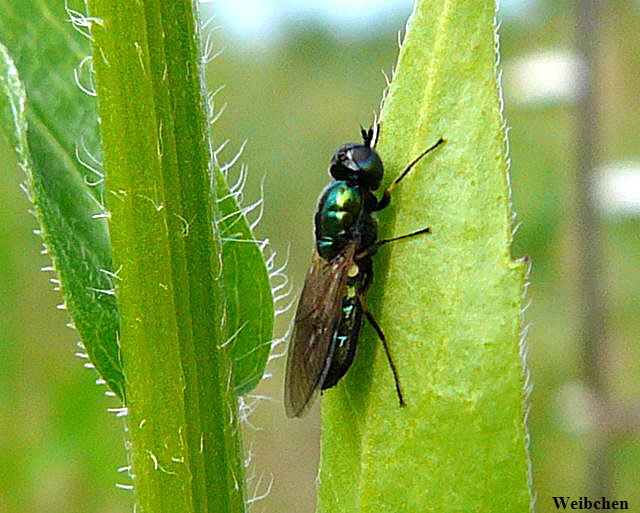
[380, 333]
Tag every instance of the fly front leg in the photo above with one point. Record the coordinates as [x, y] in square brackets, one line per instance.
[386, 195]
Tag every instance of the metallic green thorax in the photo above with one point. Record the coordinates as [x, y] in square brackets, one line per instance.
[344, 214]
[339, 207]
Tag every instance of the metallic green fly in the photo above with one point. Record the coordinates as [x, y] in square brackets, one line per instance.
[332, 305]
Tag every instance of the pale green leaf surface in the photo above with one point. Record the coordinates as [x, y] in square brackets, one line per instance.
[449, 303]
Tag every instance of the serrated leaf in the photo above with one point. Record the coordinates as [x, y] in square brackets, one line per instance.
[449, 303]
[71, 219]
[249, 301]
[57, 121]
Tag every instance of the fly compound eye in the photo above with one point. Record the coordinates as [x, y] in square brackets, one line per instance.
[359, 164]
[369, 164]
[342, 165]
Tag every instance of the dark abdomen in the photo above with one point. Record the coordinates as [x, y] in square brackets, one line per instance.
[347, 333]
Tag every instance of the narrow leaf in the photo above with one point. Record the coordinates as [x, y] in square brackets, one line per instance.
[449, 303]
[54, 131]
[249, 301]
[68, 210]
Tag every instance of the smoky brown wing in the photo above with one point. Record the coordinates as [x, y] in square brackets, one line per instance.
[317, 315]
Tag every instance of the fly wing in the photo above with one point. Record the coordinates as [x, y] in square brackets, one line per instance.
[311, 346]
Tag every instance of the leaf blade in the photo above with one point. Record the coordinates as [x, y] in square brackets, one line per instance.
[70, 217]
[164, 221]
[61, 134]
[449, 303]
[249, 300]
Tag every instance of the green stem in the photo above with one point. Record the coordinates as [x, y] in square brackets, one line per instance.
[185, 450]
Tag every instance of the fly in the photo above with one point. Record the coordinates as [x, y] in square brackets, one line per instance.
[332, 304]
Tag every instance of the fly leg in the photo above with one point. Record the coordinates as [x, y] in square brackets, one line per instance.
[365, 255]
[373, 248]
[386, 195]
[380, 333]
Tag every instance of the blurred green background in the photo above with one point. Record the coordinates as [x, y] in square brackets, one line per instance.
[296, 89]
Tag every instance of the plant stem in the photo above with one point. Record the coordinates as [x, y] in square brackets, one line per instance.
[184, 439]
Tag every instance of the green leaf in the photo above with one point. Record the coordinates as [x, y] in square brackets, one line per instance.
[449, 303]
[249, 301]
[59, 120]
[49, 116]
